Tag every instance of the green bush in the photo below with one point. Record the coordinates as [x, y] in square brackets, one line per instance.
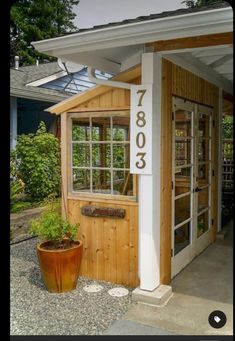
[52, 227]
[38, 163]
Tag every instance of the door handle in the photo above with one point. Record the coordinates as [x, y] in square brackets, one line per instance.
[198, 189]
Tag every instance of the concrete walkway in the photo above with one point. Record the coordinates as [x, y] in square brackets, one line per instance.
[205, 285]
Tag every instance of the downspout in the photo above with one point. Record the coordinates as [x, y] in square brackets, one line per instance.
[115, 84]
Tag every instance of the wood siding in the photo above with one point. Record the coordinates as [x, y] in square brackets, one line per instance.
[177, 81]
[110, 245]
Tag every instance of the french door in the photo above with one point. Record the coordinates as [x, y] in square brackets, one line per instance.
[191, 181]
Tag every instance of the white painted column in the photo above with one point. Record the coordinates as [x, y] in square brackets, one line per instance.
[149, 185]
[13, 122]
[220, 137]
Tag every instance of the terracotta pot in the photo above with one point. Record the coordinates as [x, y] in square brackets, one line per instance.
[60, 268]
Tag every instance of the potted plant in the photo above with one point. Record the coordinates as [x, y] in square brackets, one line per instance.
[60, 253]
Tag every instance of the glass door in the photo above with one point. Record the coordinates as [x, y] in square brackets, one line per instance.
[191, 185]
[203, 176]
[182, 184]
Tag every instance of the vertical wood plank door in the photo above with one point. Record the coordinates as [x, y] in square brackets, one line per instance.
[110, 244]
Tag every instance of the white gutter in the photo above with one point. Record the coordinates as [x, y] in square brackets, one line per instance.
[115, 84]
[180, 26]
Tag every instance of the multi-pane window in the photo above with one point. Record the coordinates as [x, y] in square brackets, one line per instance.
[101, 155]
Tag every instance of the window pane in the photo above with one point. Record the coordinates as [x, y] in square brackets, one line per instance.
[101, 181]
[101, 155]
[122, 183]
[203, 130]
[202, 223]
[121, 156]
[121, 126]
[182, 152]
[182, 237]
[183, 123]
[182, 209]
[182, 180]
[203, 150]
[203, 174]
[81, 130]
[203, 199]
[81, 180]
[81, 155]
[101, 129]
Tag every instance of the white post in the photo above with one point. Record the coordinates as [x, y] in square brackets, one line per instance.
[149, 185]
[13, 122]
[220, 137]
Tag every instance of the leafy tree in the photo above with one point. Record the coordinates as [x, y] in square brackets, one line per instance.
[32, 20]
[200, 3]
[38, 160]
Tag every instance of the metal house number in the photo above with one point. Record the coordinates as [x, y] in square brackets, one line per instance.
[141, 132]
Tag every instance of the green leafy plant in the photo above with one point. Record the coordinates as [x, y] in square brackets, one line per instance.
[52, 227]
[38, 163]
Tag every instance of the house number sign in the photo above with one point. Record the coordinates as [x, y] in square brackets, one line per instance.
[141, 129]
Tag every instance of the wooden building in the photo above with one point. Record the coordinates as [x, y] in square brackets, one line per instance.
[141, 169]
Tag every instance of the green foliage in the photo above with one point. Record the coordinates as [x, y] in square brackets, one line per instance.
[227, 125]
[32, 20]
[52, 227]
[200, 3]
[39, 168]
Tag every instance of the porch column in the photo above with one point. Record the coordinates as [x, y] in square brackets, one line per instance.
[13, 122]
[149, 185]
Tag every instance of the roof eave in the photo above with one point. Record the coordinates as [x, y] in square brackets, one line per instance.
[36, 96]
[180, 26]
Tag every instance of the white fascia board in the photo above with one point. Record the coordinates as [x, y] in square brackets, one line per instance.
[47, 79]
[180, 26]
[192, 64]
[36, 96]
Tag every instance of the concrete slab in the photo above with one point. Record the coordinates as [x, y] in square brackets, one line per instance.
[157, 297]
[127, 327]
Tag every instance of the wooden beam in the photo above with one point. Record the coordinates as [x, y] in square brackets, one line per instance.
[193, 42]
[221, 61]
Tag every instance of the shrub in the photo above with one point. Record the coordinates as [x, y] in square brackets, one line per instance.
[38, 163]
[52, 227]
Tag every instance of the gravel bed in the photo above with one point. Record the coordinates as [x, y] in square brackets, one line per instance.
[35, 311]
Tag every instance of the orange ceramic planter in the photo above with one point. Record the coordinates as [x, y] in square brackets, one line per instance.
[60, 268]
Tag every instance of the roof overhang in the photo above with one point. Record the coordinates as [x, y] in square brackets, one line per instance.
[116, 48]
[14, 92]
[180, 26]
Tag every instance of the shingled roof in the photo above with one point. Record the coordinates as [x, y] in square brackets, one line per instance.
[26, 74]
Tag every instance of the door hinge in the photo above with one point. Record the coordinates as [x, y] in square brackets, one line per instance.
[213, 172]
[213, 123]
[171, 252]
[212, 222]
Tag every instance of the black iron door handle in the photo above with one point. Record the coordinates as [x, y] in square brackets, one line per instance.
[198, 189]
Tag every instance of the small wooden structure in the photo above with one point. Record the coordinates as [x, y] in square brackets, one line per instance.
[142, 228]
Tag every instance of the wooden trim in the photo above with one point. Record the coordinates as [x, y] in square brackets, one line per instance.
[103, 113]
[94, 198]
[193, 42]
[166, 174]
[97, 109]
[76, 100]
[64, 188]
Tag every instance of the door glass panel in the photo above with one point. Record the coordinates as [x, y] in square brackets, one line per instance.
[203, 174]
[101, 155]
[182, 209]
[182, 237]
[182, 152]
[203, 199]
[101, 129]
[202, 223]
[203, 126]
[203, 150]
[183, 123]
[182, 180]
